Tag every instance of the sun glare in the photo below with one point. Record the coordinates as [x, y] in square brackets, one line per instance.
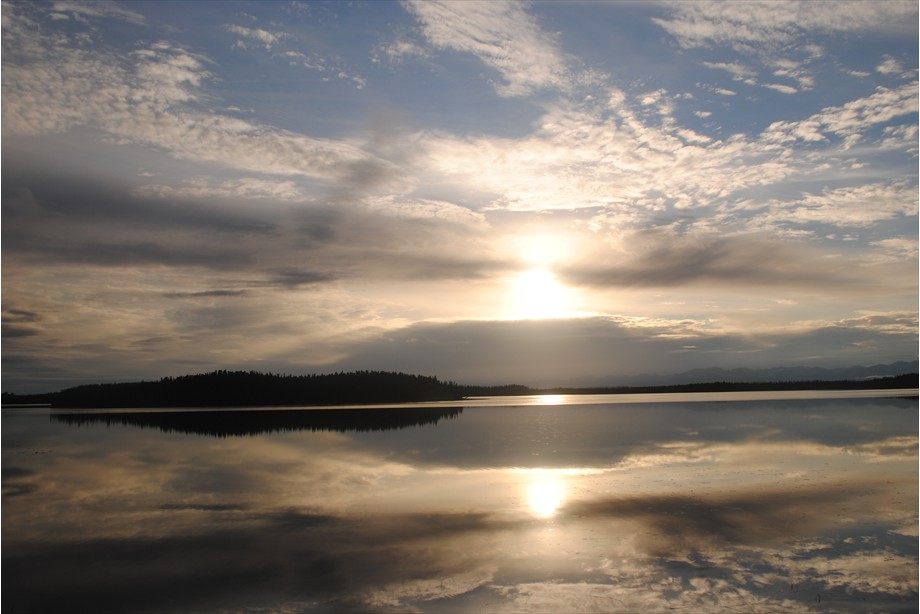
[550, 399]
[545, 495]
[537, 294]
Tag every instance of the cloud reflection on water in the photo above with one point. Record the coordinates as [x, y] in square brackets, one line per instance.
[540, 509]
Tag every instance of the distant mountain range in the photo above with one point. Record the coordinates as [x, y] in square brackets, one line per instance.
[776, 374]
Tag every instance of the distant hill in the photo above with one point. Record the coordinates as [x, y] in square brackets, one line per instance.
[741, 375]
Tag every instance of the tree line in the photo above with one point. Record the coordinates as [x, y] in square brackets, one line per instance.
[907, 380]
[224, 388]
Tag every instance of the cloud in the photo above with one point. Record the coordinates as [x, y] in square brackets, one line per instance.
[70, 222]
[661, 259]
[313, 246]
[501, 34]
[779, 35]
[739, 71]
[66, 223]
[900, 137]
[328, 68]
[849, 120]
[205, 294]
[633, 173]
[897, 249]
[887, 323]
[126, 253]
[82, 11]
[553, 352]
[14, 330]
[401, 49]
[204, 188]
[889, 66]
[743, 73]
[858, 206]
[151, 98]
[266, 38]
[596, 155]
[20, 316]
[296, 278]
[425, 209]
[794, 69]
[700, 24]
[779, 87]
[273, 272]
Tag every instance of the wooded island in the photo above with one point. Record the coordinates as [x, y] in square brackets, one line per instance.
[224, 388]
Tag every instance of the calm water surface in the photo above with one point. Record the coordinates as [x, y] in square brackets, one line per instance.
[563, 504]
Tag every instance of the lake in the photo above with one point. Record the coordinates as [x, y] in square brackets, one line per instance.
[765, 502]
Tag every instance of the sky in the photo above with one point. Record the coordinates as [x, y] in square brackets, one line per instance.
[487, 192]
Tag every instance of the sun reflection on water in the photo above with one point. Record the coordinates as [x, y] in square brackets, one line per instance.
[545, 493]
[549, 399]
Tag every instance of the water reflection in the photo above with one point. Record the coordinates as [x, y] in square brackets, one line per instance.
[232, 422]
[729, 506]
[551, 399]
[545, 493]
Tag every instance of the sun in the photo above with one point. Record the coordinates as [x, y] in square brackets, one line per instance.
[537, 294]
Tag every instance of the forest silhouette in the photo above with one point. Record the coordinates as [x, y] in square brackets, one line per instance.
[254, 389]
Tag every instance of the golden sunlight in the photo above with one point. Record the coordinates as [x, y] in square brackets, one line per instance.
[550, 399]
[537, 294]
[545, 495]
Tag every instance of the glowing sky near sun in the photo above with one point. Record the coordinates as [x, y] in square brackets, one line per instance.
[482, 191]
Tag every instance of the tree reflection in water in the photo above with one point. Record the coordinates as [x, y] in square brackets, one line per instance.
[229, 423]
